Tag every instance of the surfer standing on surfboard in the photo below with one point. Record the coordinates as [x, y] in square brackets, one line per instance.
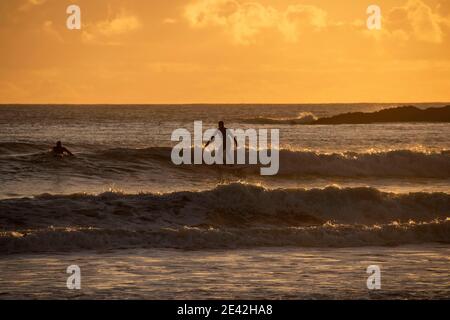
[59, 150]
[225, 134]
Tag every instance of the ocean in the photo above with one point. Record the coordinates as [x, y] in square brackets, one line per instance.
[346, 196]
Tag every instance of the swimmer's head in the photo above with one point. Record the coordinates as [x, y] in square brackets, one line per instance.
[58, 144]
[221, 124]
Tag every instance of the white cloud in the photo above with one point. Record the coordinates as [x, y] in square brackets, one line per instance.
[29, 4]
[169, 21]
[245, 20]
[416, 20]
[103, 31]
[301, 17]
[119, 25]
[49, 29]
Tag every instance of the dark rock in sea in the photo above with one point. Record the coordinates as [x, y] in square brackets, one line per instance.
[400, 114]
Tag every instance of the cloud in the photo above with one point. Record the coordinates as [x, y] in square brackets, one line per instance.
[118, 25]
[174, 67]
[103, 31]
[169, 21]
[416, 20]
[301, 17]
[245, 20]
[184, 67]
[49, 29]
[29, 4]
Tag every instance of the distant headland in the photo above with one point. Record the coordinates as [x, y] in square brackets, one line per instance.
[399, 114]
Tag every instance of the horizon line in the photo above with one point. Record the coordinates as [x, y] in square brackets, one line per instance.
[216, 103]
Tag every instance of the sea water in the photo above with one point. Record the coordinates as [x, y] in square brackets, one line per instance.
[345, 197]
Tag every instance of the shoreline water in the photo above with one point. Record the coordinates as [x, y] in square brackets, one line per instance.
[408, 272]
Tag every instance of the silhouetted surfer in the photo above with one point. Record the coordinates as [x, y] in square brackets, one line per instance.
[59, 150]
[225, 135]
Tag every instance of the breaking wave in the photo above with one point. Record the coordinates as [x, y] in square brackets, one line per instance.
[228, 216]
[302, 118]
[395, 163]
[328, 235]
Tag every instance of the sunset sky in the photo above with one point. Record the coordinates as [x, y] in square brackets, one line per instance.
[224, 51]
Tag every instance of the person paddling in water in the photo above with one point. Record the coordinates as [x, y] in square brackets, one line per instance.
[226, 135]
[60, 151]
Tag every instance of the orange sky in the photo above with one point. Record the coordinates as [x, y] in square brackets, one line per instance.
[224, 51]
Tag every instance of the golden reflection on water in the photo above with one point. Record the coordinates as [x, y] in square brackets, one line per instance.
[268, 273]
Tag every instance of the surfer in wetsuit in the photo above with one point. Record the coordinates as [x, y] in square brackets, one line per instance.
[225, 135]
[59, 150]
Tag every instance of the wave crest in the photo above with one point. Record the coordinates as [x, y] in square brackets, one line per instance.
[395, 163]
[302, 118]
[194, 238]
[231, 215]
